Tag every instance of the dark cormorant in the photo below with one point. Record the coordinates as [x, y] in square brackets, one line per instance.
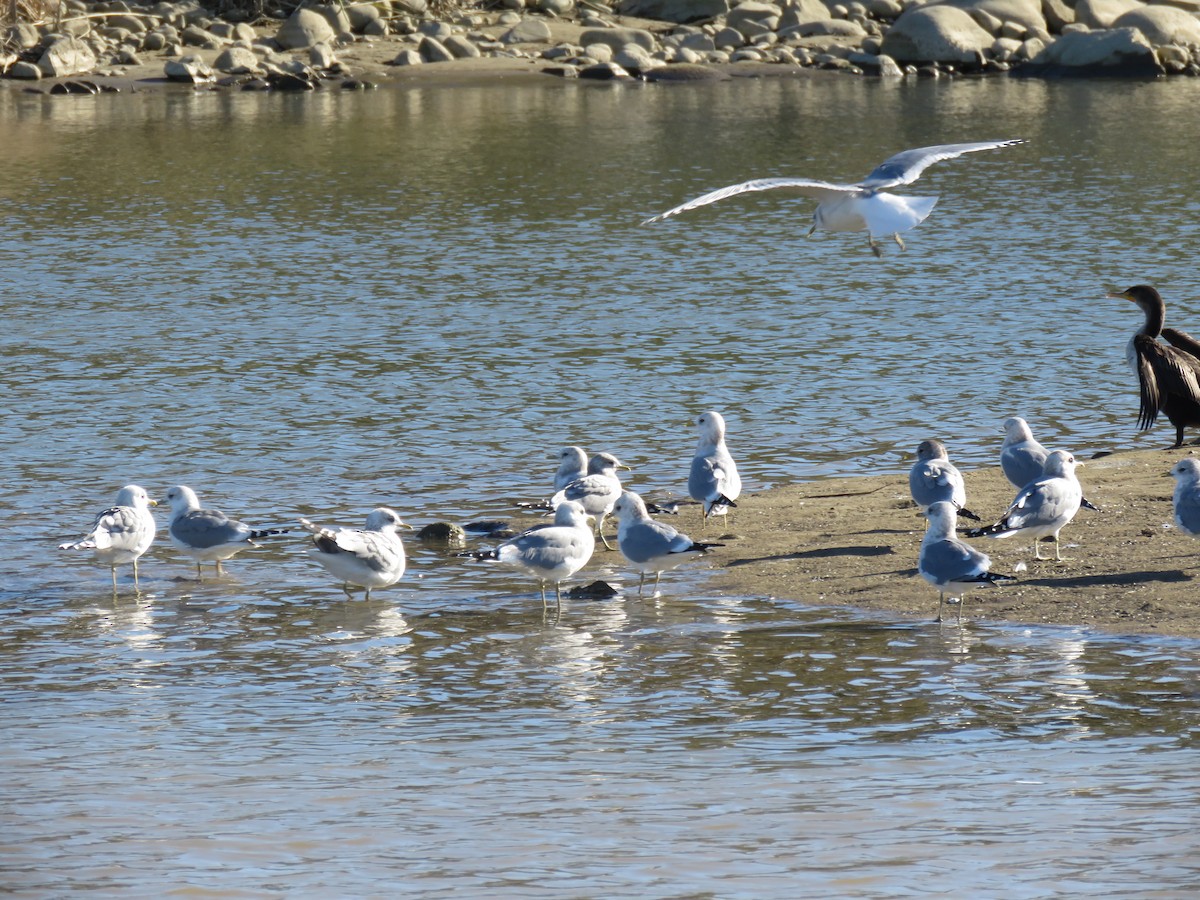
[1168, 376]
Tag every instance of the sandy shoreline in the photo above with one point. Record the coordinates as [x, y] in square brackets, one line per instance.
[855, 542]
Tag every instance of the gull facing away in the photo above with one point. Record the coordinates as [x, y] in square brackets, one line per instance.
[865, 206]
[933, 478]
[651, 546]
[1022, 457]
[1187, 496]
[1043, 507]
[572, 465]
[596, 491]
[553, 553]
[1168, 374]
[208, 535]
[370, 558]
[713, 481]
[949, 563]
[121, 533]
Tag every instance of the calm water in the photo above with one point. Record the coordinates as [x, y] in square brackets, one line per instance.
[313, 305]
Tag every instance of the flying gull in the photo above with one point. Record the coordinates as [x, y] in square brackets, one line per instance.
[865, 206]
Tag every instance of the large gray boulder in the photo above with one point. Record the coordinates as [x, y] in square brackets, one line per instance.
[1162, 25]
[1058, 15]
[619, 37]
[1120, 51]
[754, 11]
[1023, 12]
[66, 56]
[1102, 13]
[188, 69]
[935, 34]
[303, 29]
[678, 11]
[527, 31]
[801, 12]
[237, 61]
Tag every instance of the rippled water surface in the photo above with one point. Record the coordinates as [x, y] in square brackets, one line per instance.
[314, 305]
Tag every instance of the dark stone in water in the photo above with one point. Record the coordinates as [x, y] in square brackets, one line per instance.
[490, 528]
[597, 590]
[286, 81]
[75, 87]
[443, 533]
[684, 72]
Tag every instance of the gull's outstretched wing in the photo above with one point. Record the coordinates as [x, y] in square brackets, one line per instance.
[906, 167]
[821, 190]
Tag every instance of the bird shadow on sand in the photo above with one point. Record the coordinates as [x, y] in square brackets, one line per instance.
[821, 553]
[1109, 579]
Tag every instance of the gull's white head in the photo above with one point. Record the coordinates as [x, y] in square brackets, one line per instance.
[570, 514]
[569, 456]
[1187, 471]
[1059, 464]
[134, 496]
[942, 516]
[605, 464]
[182, 499]
[384, 519]
[630, 507]
[1017, 429]
[711, 425]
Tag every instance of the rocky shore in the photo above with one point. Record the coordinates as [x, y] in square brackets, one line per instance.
[855, 542]
[75, 46]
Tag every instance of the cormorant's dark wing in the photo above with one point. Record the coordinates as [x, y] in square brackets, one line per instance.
[1181, 340]
[1163, 371]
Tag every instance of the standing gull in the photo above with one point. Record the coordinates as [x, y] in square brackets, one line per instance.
[370, 558]
[949, 563]
[208, 535]
[1187, 496]
[572, 465]
[1021, 456]
[121, 533]
[934, 478]
[1043, 507]
[596, 491]
[651, 546]
[1168, 376]
[713, 481]
[865, 206]
[549, 554]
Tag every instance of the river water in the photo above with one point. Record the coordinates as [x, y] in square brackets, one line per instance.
[312, 305]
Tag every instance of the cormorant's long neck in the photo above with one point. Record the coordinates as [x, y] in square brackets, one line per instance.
[1156, 314]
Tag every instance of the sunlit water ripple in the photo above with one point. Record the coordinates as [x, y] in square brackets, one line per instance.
[310, 306]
